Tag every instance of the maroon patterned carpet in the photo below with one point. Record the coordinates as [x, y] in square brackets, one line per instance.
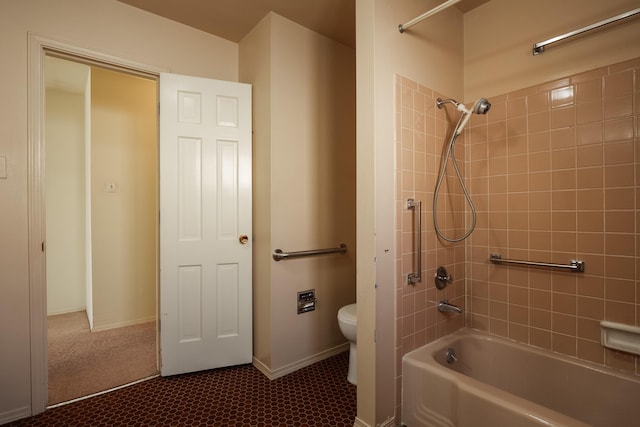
[318, 395]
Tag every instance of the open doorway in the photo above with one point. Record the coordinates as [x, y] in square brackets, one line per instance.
[101, 156]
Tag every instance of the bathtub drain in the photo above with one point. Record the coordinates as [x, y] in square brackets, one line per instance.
[450, 357]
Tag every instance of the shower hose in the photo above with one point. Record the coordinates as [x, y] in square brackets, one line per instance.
[450, 152]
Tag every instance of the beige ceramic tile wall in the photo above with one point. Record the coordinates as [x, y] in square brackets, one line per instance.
[552, 169]
[421, 129]
[552, 172]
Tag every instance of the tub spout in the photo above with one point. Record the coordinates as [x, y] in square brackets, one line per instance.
[445, 307]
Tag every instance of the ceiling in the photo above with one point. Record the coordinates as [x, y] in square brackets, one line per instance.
[233, 19]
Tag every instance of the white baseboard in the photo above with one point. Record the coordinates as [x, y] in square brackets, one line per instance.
[71, 310]
[15, 414]
[123, 324]
[262, 368]
[292, 367]
[391, 422]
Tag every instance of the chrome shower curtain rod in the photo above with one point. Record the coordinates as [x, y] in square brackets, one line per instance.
[403, 27]
[538, 48]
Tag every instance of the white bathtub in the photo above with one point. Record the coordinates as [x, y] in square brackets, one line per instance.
[500, 383]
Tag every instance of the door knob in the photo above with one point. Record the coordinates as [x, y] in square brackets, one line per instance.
[243, 239]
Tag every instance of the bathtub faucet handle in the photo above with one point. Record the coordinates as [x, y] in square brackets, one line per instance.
[442, 278]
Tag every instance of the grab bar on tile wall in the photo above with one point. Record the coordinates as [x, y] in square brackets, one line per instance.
[278, 254]
[574, 265]
[416, 205]
[538, 48]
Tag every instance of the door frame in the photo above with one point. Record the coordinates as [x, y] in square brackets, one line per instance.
[37, 49]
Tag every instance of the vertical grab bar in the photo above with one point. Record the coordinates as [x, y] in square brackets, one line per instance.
[416, 205]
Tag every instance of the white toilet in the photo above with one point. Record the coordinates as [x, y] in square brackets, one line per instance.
[347, 322]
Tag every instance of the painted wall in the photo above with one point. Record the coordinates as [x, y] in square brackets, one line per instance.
[305, 187]
[430, 53]
[65, 201]
[255, 68]
[313, 153]
[106, 26]
[499, 36]
[365, 217]
[124, 202]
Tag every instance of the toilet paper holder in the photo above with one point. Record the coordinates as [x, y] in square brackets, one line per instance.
[307, 301]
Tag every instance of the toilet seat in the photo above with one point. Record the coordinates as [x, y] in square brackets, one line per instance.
[347, 314]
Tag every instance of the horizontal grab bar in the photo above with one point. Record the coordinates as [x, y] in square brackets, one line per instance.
[574, 264]
[278, 254]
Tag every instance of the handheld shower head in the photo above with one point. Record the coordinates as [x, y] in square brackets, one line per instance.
[481, 106]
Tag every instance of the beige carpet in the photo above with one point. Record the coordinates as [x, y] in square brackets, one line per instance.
[82, 362]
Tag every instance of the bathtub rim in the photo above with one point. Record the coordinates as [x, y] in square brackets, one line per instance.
[423, 358]
[441, 343]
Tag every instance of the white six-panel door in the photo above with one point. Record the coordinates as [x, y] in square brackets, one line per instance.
[205, 224]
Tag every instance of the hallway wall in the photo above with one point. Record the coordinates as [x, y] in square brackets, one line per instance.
[106, 26]
[124, 201]
[65, 204]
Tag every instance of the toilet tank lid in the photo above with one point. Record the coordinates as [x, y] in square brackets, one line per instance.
[348, 313]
